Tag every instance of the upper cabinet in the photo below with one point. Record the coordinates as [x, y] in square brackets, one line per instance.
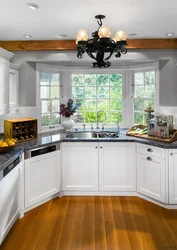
[5, 56]
[13, 87]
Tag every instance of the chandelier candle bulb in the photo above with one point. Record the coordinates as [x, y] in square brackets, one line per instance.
[101, 47]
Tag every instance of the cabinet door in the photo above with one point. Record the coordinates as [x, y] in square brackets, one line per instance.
[42, 177]
[9, 201]
[151, 176]
[80, 166]
[4, 86]
[13, 89]
[117, 166]
[173, 177]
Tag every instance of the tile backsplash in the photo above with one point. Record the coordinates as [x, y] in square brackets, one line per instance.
[22, 112]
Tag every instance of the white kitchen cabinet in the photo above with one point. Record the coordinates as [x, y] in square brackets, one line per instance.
[11, 196]
[151, 174]
[13, 87]
[42, 177]
[172, 176]
[117, 166]
[4, 80]
[80, 166]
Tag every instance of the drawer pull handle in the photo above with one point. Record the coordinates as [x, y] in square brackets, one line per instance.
[149, 150]
[149, 158]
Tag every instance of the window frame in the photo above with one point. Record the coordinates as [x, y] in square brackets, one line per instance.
[127, 87]
[101, 71]
[45, 68]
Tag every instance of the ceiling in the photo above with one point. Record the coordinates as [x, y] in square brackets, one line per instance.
[146, 18]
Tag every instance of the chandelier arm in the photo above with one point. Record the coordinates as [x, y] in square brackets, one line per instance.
[91, 55]
[107, 58]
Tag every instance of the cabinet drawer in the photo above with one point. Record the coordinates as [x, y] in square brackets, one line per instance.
[151, 150]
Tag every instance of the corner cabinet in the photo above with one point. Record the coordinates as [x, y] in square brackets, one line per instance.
[117, 166]
[80, 166]
[172, 176]
[13, 87]
[151, 172]
[5, 56]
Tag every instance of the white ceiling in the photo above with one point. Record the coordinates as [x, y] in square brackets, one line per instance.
[147, 18]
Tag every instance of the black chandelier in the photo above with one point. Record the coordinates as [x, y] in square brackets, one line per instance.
[100, 44]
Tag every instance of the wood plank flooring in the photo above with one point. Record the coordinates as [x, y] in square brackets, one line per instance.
[95, 223]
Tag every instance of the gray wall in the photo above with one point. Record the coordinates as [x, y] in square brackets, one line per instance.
[27, 85]
[167, 62]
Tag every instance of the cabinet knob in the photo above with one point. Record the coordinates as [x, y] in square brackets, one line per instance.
[101, 147]
[171, 154]
[96, 147]
[149, 150]
[149, 158]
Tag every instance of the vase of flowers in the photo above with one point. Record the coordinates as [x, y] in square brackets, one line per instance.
[66, 110]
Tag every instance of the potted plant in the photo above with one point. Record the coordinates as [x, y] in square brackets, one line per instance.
[66, 110]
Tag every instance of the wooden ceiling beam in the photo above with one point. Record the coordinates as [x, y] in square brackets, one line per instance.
[61, 45]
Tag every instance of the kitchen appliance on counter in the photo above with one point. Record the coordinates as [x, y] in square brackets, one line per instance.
[160, 126]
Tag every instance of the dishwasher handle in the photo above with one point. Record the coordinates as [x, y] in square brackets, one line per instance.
[41, 150]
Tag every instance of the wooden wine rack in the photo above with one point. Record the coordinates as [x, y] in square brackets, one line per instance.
[21, 129]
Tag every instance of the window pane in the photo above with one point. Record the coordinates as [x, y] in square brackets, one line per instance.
[149, 103]
[138, 118]
[139, 78]
[46, 106]
[90, 105]
[45, 119]
[115, 116]
[55, 80]
[90, 80]
[90, 92]
[55, 92]
[103, 92]
[115, 104]
[150, 91]
[150, 77]
[55, 105]
[90, 117]
[44, 92]
[103, 105]
[44, 78]
[116, 92]
[77, 80]
[116, 80]
[103, 80]
[77, 92]
[55, 119]
[139, 91]
[139, 105]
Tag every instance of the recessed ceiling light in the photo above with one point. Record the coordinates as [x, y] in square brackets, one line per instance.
[62, 36]
[169, 34]
[27, 36]
[33, 6]
[132, 34]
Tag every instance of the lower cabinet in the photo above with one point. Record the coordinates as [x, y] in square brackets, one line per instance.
[172, 176]
[42, 177]
[100, 166]
[151, 174]
[80, 166]
[117, 166]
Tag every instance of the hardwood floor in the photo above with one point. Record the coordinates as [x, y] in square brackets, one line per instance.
[95, 223]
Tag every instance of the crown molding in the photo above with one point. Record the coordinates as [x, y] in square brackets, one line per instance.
[61, 45]
[6, 54]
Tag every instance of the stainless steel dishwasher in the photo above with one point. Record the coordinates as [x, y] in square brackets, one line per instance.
[42, 174]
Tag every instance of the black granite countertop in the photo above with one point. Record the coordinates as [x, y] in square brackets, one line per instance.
[60, 136]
